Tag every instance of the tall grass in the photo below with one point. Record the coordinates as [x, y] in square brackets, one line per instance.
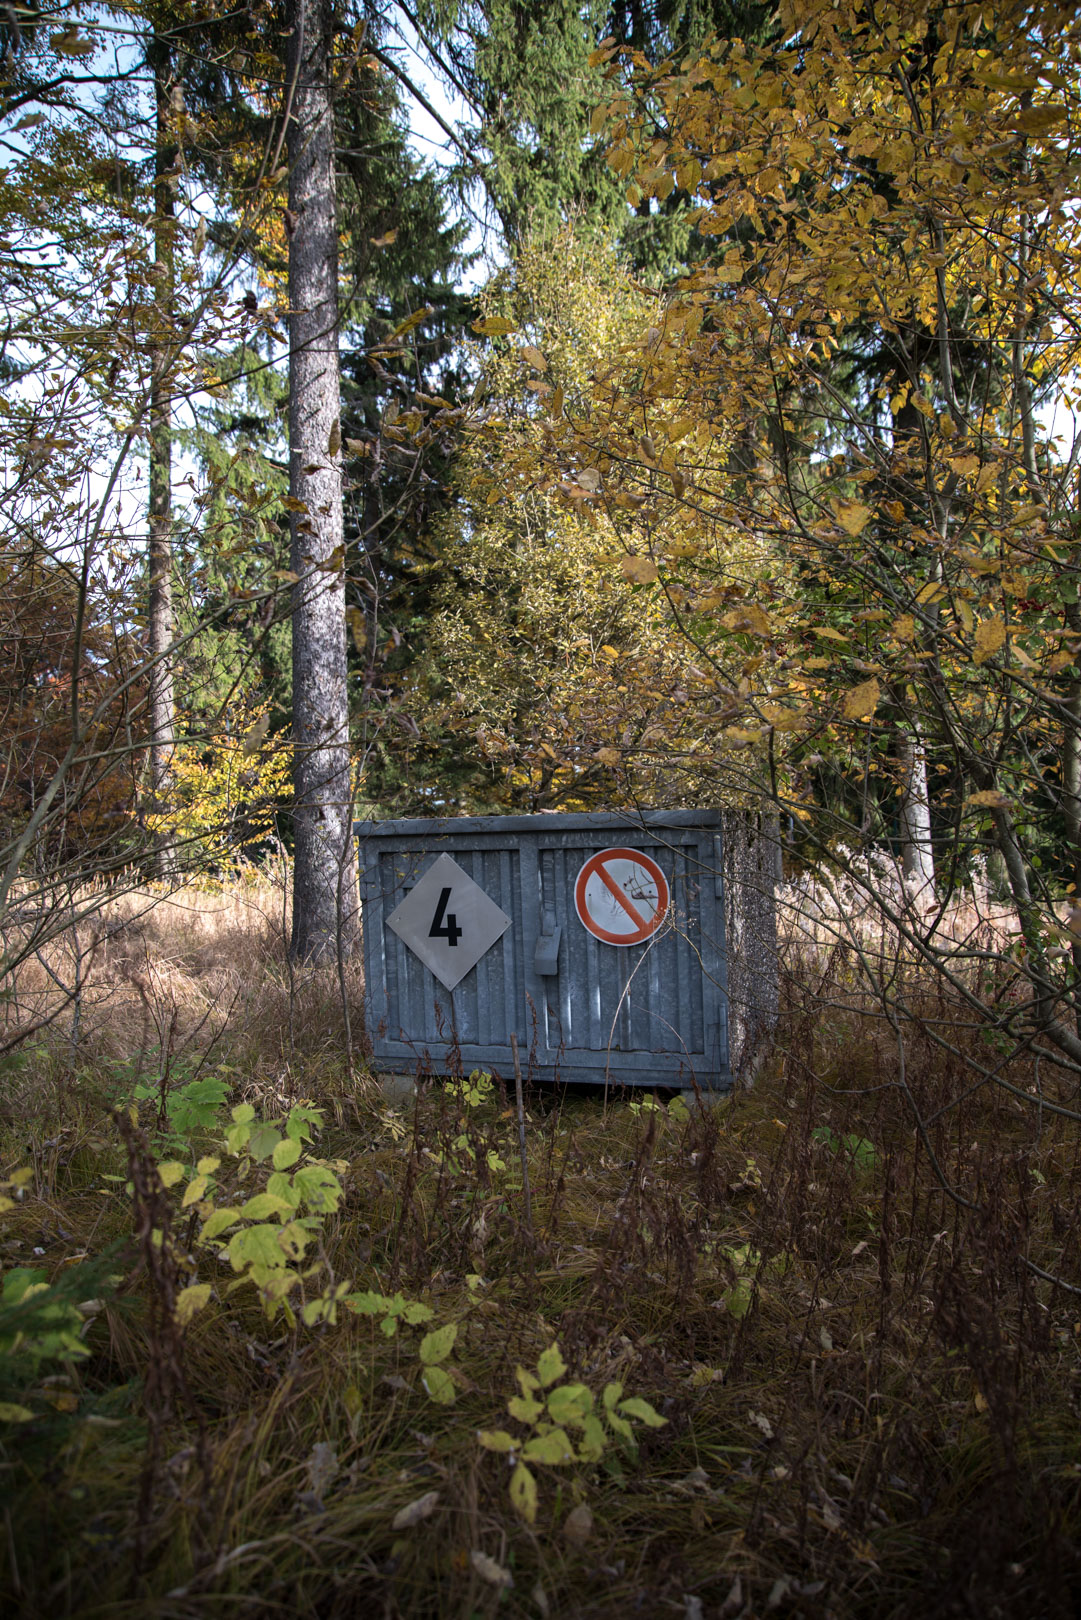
[834, 1288]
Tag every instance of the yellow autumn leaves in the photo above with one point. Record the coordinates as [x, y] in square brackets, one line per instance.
[989, 639]
[547, 660]
[862, 701]
[639, 570]
[796, 560]
[852, 516]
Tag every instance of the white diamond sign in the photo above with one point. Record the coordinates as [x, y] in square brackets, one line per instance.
[448, 921]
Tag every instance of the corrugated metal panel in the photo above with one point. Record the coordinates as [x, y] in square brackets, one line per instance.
[411, 1002]
[649, 1014]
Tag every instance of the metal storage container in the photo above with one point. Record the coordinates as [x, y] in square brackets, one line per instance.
[635, 995]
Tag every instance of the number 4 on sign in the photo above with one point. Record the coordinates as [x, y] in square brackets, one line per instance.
[448, 921]
[444, 926]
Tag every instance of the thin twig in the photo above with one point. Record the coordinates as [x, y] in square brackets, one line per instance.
[1049, 1277]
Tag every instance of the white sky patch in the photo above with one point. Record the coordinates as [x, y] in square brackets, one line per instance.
[429, 143]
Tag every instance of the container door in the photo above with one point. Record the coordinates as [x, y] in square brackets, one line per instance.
[420, 1019]
[651, 1011]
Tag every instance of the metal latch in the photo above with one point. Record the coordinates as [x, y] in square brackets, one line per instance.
[546, 956]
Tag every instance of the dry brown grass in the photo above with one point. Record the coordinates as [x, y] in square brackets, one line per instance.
[169, 975]
[888, 1430]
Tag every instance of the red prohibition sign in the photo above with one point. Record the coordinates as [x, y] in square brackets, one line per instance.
[621, 896]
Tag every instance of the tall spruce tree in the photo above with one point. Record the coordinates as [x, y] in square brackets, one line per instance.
[185, 69]
[323, 908]
[404, 321]
[160, 620]
[524, 67]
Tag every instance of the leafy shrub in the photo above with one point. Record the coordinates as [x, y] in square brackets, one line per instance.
[265, 1237]
[44, 1323]
[549, 1416]
[193, 1107]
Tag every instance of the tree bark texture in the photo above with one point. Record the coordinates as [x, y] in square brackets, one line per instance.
[905, 484]
[917, 859]
[160, 619]
[1071, 781]
[324, 907]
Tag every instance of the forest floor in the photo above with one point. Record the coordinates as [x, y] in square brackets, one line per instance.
[785, 1356]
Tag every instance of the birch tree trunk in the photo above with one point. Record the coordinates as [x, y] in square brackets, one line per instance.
[917, 859]
[911, 455]
[160, 619]
[324, 907]
[1071, 782]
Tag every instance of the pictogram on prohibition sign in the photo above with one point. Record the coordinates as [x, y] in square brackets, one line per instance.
[621, 896]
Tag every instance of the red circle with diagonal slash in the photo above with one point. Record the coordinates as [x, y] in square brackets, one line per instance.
[621, 885]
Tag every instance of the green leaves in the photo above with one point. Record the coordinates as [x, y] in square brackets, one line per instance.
[218, 1222]
[523, 1493]
[550, 1366]
[392, 1309]
[592, 1444]
[368, 1303]
[190, 1108]
[568, 1406]
[263, 1206]
[434, 1347]
[17, 1182]
[264, 1251]
[324, 1308]
[318, 1187]
[286, 1154]
[256, 1246]
[190, 1300]
[851, 1145]
[440, 1385]
[525, 1408]
[497, 1440]
[353, 1402]
[300, 1121]
[437, 1345]
[737, 1299]
[281, 1186]
[10, 1412]
[41, 1321]
[527, 1383]
[293, 1239]
[635, 1407]
[261, 1142]
[552, 1448]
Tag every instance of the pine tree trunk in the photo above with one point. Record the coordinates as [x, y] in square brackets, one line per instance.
[160, 620]
[324, 907]
[917, 860]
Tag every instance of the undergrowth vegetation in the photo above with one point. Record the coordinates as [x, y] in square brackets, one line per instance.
[271, 1343]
